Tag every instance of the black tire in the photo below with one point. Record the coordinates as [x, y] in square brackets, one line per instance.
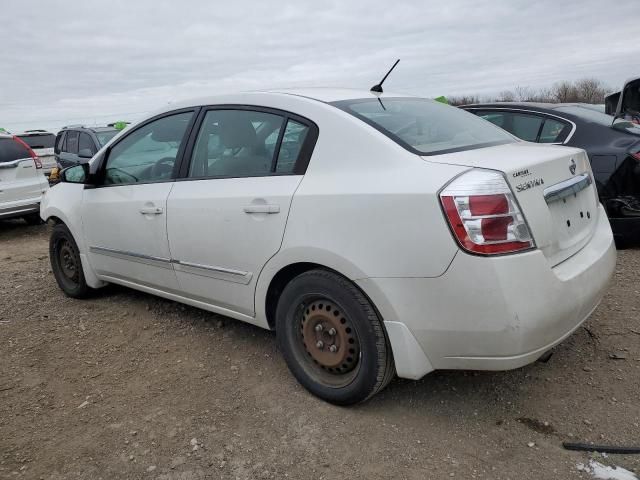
[343, 318]
[33, 219]
[65, 263]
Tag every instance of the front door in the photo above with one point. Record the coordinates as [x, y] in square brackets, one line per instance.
[125, 216]
[227, 218]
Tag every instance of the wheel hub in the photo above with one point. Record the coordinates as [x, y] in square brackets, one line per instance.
[67, 260]
[329, 338]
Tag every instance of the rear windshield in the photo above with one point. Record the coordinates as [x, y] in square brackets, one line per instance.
[424, 126]
[39, 141]
[104, 137]
[591, 115]
[11, 150]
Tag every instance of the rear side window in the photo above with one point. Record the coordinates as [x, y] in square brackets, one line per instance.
[424, 126]
[526, 127]
[11, 150]
[294, 136]
[86, 143]
[553, 131]
[72, 142]
[236, 143]
[39, 141]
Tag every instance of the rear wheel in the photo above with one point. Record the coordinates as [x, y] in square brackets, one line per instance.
[332, 338]
[33, 219]
[65, 262]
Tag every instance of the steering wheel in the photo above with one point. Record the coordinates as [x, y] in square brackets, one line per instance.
[162, 168]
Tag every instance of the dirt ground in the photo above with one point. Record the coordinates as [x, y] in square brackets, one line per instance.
[126, 385]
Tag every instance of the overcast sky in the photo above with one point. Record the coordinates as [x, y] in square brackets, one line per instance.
[98, 61]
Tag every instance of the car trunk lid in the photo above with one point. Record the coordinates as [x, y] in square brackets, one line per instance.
[553, 185]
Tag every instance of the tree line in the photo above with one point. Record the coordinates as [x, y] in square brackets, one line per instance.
[585, 90]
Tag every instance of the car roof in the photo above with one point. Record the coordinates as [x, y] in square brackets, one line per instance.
[90, 129]
[540, 105]
[320, 94]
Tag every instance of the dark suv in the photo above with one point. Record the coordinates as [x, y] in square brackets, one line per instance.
[77, 144]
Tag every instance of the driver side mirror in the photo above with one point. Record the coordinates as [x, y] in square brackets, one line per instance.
[75, 174]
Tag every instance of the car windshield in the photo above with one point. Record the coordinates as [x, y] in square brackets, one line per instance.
[105, 136]
[591, 115]
[39, 141]
[426, 127]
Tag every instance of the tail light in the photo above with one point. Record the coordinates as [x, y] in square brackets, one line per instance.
[636, 156]
[484, 215]
[36, 160]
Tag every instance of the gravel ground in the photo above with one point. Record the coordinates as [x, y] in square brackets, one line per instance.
[126, 385]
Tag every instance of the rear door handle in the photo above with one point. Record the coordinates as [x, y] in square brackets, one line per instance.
[151, 211]
[262, 208]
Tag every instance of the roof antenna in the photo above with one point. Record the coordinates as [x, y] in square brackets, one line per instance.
[378, 87]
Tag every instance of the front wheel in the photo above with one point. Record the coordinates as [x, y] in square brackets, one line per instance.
[332, 339]
[65, 263]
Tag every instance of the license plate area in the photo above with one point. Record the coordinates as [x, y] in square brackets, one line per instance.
[573, 217]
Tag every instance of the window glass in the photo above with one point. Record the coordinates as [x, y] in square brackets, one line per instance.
[292, 141]
[86, 143]
[235, 143]
[425, 125]
[553, 131]
[60, 142]
[105, 136]
[149, 153]
[525, 126]
[496, 118]
[11, 150]
[72, 142]
[45, 140]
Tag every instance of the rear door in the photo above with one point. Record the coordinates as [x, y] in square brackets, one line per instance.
[19, 179]
[125, 217]
[227, 217]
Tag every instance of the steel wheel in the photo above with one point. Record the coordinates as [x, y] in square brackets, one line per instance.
[330, 342]
[67, 261]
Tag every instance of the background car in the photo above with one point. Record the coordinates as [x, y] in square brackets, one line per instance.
[21, 180]
[375, 233]
[77, 144]
[626, 102]
[42, 143]
[613, 149]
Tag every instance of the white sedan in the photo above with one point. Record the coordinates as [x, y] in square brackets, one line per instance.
[377, 234]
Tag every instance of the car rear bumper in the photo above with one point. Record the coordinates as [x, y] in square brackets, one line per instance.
[494, 313]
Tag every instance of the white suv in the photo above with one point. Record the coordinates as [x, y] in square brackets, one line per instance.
[22, 182]
[376, 233]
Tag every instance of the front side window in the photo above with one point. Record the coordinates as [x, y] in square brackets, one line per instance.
[148, 154]
[85, 144]
[72, 142]
[236, 143]
[424, 126]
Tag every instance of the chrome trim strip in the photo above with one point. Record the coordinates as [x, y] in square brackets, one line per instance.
[219, 273]
[567, 188]
[573, 125]
[214, 269]
[134, 257]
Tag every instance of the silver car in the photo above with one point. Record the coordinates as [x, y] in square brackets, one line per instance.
[22, 182]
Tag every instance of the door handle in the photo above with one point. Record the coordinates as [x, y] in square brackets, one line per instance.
[262, 208]
[151, 211]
